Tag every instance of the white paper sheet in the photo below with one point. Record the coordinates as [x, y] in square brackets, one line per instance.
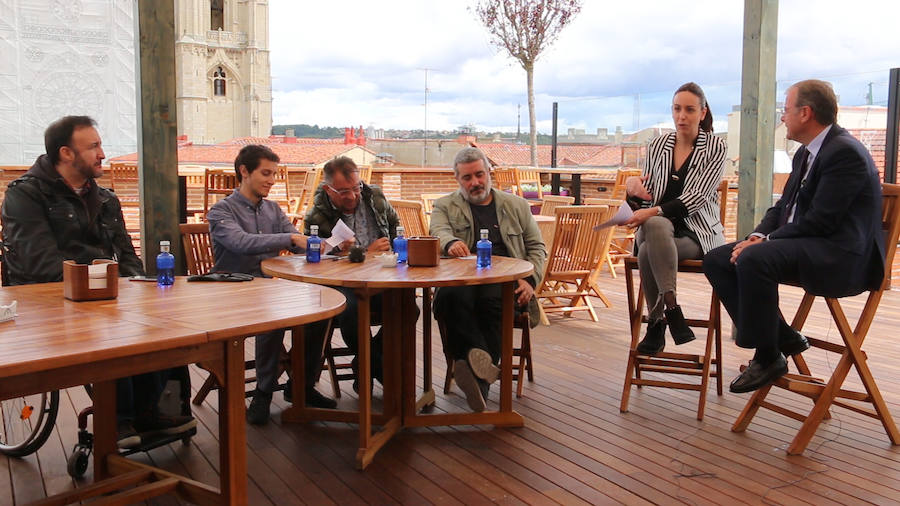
[339, 234]
[621, 217]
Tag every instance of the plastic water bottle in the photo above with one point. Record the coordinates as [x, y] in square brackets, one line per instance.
[483, 249]
[400, 246]
[165, 265]
[314, 245]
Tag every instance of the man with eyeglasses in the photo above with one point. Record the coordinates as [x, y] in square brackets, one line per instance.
[366, 211]
[824, 233]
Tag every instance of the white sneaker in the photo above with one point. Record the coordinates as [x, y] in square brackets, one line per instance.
[466, 382]
[483, 366]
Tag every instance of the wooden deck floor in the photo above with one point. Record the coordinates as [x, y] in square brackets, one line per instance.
[576, 446]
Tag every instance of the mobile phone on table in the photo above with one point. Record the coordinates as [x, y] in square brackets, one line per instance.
[142, 278]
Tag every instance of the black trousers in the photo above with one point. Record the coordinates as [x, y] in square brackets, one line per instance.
[749, 288]
[472, 317]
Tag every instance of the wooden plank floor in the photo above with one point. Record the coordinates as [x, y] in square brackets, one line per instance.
[576, 447]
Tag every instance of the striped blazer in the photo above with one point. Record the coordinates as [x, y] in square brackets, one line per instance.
[703, 178]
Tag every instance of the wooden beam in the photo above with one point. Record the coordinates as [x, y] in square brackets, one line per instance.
[757, 113]
[156, 128]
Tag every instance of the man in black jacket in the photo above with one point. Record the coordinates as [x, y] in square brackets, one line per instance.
[56, 212]
[824, 234]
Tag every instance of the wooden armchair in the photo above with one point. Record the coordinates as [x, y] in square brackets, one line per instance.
[428, 204]
[571, 259]
[825, 393]
[217, 183]
[676, 363]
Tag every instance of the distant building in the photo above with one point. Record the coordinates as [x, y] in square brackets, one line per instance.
[77, 57]
[224, 84]
[867, 123]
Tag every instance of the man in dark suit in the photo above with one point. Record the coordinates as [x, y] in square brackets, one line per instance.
[824, 234]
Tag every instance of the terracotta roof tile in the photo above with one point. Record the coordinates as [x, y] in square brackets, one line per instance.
[506, 154]
[307, 153]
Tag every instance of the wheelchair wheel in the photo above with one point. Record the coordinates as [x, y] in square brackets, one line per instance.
[27, 423]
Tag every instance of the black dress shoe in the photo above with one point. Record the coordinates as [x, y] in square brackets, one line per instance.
[756, 376]
[792, 343]
[654, 340]
[678, 327]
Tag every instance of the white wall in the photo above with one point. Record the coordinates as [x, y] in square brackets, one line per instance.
[65, 57]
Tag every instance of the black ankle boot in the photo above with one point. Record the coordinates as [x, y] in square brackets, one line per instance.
[678, 327]
[654, 340]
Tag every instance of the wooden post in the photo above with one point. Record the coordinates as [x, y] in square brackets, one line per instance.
[156, 128]
[757, 113]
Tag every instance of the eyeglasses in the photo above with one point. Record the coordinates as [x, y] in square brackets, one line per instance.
[347, 191]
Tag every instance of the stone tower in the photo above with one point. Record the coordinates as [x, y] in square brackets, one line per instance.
[223, 83]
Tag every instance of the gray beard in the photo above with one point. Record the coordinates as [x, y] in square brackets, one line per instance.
[478, 200]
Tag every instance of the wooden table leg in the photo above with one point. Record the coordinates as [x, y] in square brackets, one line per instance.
[506, 345]
[232, 428]
[104, 427]
[370, 443]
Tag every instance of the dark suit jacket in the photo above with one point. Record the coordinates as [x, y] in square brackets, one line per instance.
[839, 214]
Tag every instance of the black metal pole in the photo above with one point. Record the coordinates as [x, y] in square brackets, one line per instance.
[893, 126]
[554, 178]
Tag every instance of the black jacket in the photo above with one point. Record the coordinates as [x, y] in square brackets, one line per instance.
[838, 210]
[325, 215]
[45, 222]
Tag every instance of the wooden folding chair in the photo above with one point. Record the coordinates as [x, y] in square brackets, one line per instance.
[200, 260]
[687, 364]
[412, 218]
[548, 208]
[365, 173]
[217, 183]
[522, 367]
[428, 204]
[281, 191]
[504, 179]
[198, 250]
[311, 182]
[614, 205]
[827, 393]
[623, 238]
[572, 256]
[124, 181]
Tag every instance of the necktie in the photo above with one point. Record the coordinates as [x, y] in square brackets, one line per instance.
[794, 191]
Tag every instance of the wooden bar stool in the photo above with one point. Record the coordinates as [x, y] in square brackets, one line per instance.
[826, 393]
[687, 364]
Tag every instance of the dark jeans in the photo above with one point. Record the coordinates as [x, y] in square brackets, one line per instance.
[471, 315]
[348, 322]
[268, 354]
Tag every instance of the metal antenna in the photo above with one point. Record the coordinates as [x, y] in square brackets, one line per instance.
[425, 135]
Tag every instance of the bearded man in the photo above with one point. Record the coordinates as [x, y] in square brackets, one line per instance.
[472, 313]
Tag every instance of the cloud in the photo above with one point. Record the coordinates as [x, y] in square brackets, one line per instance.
[358, 62]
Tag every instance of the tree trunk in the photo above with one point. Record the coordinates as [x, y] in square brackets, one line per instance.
[532, 121]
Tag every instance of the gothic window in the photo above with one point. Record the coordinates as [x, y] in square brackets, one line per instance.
[217, 15]
[219, 83]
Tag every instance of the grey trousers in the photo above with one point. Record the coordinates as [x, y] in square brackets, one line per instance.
[659, 252]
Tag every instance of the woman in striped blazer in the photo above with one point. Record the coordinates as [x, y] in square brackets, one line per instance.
[679, 211]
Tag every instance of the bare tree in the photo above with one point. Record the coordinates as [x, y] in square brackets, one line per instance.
[524, 28]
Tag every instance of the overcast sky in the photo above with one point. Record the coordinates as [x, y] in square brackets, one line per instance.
[355, 62]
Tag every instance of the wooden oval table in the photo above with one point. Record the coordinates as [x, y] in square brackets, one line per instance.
[399, 283]
[56, 343]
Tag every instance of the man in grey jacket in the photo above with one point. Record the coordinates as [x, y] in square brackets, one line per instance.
[246, 229]
[472, 313]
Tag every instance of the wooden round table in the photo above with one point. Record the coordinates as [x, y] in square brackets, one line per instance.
[398, 283]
